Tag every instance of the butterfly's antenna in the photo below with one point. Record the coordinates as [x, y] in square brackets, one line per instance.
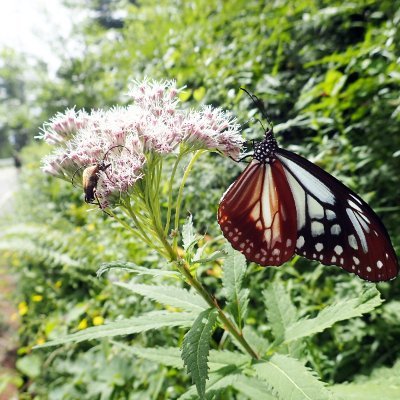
[260, 105]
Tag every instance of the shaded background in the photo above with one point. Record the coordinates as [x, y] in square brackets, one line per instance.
[328, 73]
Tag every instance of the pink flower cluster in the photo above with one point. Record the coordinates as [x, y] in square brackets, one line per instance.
[124, 136]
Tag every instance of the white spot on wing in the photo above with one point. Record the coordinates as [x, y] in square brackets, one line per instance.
[353, 242]
[300, 242]
[356, 260]
[338, 250]
[335, 229]
[315, 209]
[330, 215]
[319, 246]
[317, 228]
[379, 264]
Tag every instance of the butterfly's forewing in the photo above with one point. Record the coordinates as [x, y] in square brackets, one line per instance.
[334, 225]
[257, 214]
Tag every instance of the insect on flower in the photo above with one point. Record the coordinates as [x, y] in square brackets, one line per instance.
[282, 204]
[90, 178]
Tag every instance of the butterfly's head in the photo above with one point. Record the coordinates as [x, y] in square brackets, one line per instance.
[264, 152]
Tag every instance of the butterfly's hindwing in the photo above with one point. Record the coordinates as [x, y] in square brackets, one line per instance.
[335, 226]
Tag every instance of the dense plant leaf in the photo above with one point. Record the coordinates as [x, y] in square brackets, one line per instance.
[188, 233]
[288, 378]
[344, 309]
[383, 383]
[258, 343]
[171, 356]
[132, 267]
[196, 346]
[279, 308]
[151, 320]
[168, 295]
[218, 381]
[237, 297]
[253, 388]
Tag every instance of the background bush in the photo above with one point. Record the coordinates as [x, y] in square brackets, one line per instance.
[329, 75]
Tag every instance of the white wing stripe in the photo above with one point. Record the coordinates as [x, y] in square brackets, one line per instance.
[311, 183]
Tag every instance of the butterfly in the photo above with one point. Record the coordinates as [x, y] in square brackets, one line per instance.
[282, 204]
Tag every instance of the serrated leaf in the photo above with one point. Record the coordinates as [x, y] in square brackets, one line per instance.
[253, 388]
[256, 342]
[340, 311]
[132, 267]
[188, 233]
[214, 256]
[221, 358]
[219, 381]
[151, 320]
[168, 295]
[232, 279]
[382, 384]
[169, 356]
[196, 346]
[279, 309]
[288, 379]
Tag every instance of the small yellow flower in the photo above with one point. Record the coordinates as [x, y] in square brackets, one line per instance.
[83, 324]
[37, 298]
[99, 320]
[58, 284]
[22, 308]
[90, 227]
[40, 341]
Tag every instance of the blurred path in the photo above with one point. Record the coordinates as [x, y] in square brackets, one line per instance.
[8, 311]
[8, 184]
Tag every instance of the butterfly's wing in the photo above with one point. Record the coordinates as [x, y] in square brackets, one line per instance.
[257, 214]
[334, 225]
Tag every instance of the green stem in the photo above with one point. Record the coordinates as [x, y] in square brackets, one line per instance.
[189, 167]
[184, 269]
[170, 184]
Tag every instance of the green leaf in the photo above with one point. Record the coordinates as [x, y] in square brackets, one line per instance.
[256, 342]
[169, 356]
[151, 320]
[132, 267]
[30, 365]
[290, 379]
[279, 308]
[222, 358]
[196, 346]
[253, 388]
[382, 384]
[188, 233]
[168, 295]
[344, 309]
[237, 297]
[219, 380]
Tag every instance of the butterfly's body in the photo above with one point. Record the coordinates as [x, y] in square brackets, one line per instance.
[283, 204]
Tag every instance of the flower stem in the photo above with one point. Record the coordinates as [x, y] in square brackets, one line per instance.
[189, 167]
[184, 269]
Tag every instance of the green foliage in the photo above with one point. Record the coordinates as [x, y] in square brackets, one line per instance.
[328, 74]
[344, 309]
[151, 320]
[237, 297]
[196, 346]
[289, 379]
